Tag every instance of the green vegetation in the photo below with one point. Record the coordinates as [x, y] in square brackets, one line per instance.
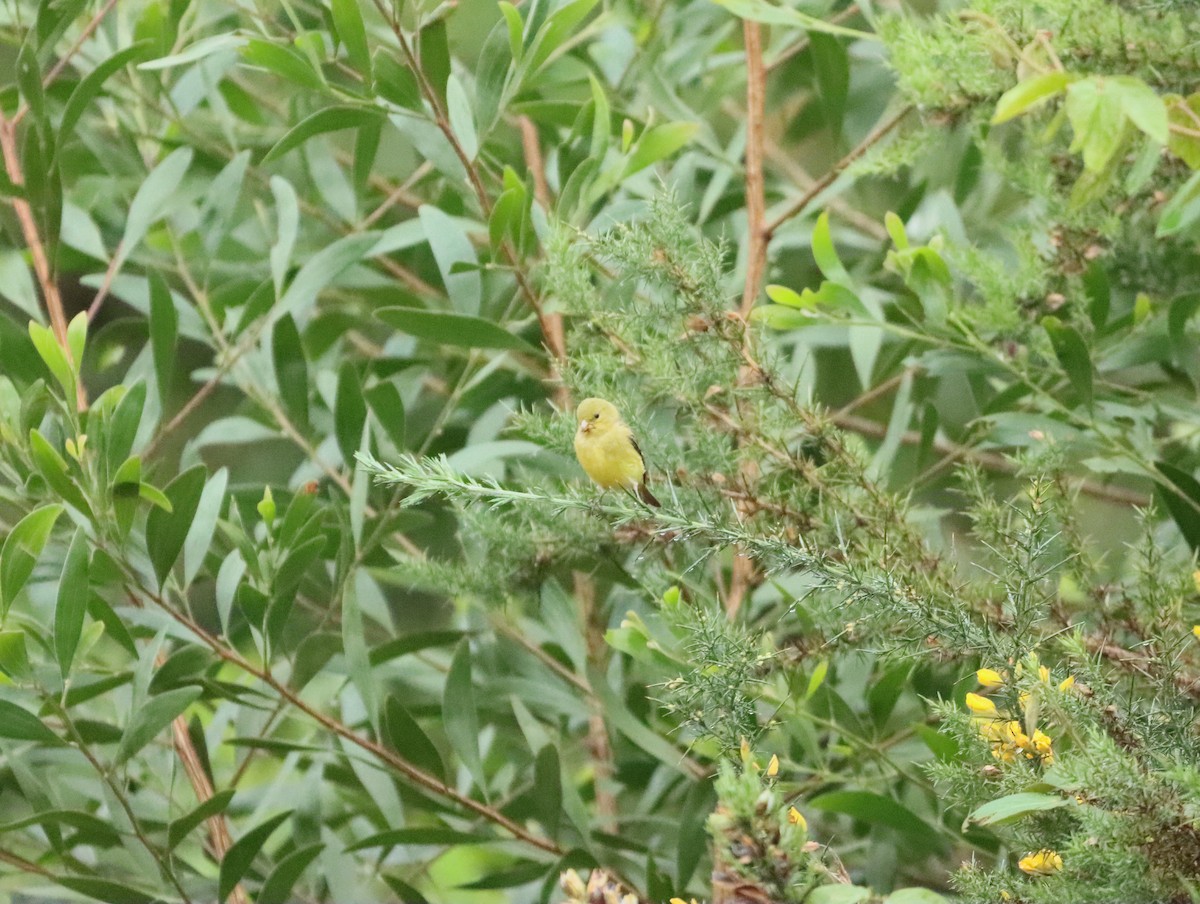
[303, 596]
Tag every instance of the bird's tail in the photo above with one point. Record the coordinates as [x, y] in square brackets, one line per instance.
[646, 496]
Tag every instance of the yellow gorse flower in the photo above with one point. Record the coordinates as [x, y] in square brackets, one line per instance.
[1067, 683]
[989, 678]
[1196, 630]
[1043, 863]
[796, 818]
[980, 705]
[773, 766]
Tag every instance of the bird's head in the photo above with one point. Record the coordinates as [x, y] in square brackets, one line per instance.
[596, 416]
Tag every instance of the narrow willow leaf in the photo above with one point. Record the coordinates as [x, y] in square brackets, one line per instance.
[72, 602]
[348, 20]
[148, 720]
[166, 531]
[405, 735]
[459, 714]
[450, 245]
[164, 334]
[21, 549]
[327, 119]
[1072, 353]
[180, 828]
[20, 724]
[204, 525]
[445, 328]
[240, 856]
[278, 885]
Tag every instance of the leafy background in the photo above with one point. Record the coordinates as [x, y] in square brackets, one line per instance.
[899, 299]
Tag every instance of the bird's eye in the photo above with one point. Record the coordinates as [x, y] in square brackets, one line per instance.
[596, 416]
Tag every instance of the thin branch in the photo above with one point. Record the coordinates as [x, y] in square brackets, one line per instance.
[802, 45]
[757, 235]
[798, 206]
[413, 773]
[41, 263]
[990, 461]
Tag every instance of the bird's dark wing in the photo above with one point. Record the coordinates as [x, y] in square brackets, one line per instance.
[643, 492]
[638, 450]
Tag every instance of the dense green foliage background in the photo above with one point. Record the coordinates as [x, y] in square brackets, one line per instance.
[900, 301]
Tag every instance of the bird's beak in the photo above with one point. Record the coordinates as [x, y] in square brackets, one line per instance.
[585, 426]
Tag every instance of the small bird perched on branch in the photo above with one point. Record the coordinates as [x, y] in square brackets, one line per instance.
[606, 449]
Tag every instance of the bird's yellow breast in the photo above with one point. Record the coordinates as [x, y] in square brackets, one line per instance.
[610, 459]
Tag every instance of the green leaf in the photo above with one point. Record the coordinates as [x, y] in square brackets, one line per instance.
[14, 656]
[1143, 107]
[547, 789]
[77, 339]
[166, 531]
[148, 720]
[21, 549]
[915, 896]
[770, 14]
[459, 714]
[164, 334]
[434, 50]
[559, 26]
[434, 835]
[460, 330]
[516, 30]
[1184, 348]
[241, 854]
[54, 468]
[388, 407]
[1073, 355]
[284, 62]
[320, 269]
[106, 890]
[825, 254]
[1181, 496]
[180, 828]
[287, 215]
[1012, 807]
[291, 370]
[1182, 211]
[1030, 93]
[820, 671]
[348, 20]
[404, 735]
[838, 894]
[154, 198]
[875, 809]
[203, 48]
[1184, 112]
[54, 357]
[278, 885]
[462, 117]
[204, 525]
[123, 426]
[451, 246]
[327, 119]
[349, 411]
[73, 590]
[1098, 120]
[20, 724]
[97, 830]
[94, 81]
[395, 82]
[657, 143]
[354, 648]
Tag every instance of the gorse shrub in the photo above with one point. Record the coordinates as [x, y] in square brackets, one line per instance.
[303, 596]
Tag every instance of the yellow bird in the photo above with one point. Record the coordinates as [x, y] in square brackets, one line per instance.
[606, 449]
